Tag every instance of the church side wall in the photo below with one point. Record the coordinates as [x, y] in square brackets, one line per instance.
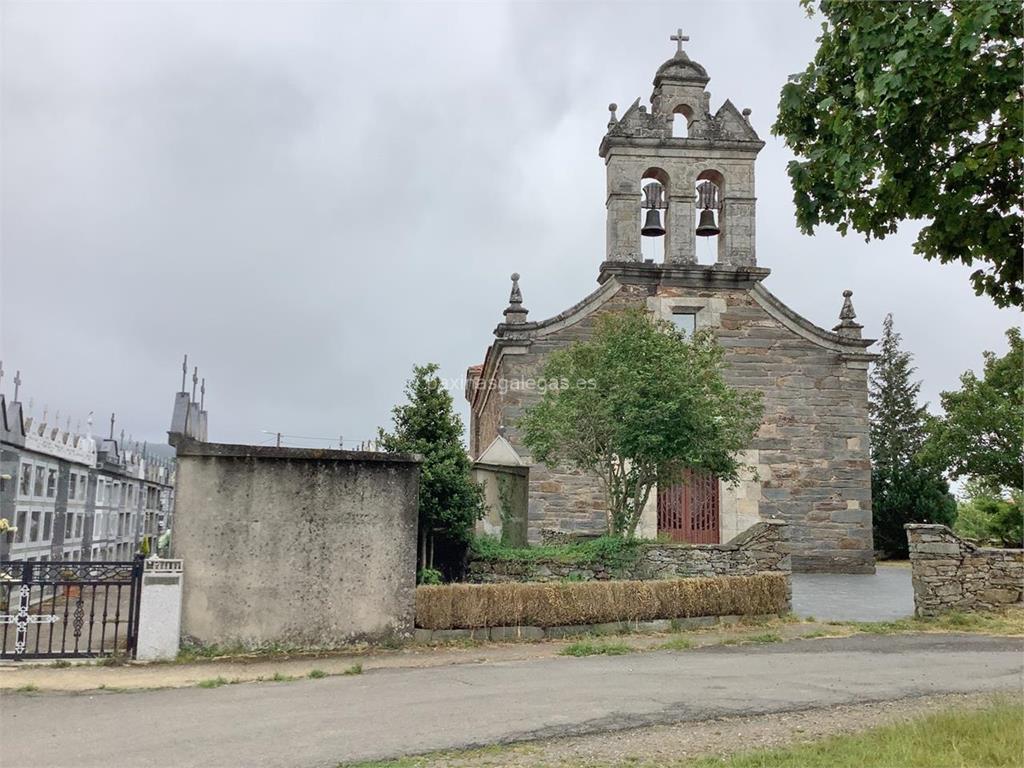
[813, 459]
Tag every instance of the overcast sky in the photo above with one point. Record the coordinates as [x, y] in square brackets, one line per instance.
[309, 198]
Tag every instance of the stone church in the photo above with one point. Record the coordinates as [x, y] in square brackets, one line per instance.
[679, 174]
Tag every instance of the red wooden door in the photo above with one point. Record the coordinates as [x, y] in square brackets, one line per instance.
[688, 511]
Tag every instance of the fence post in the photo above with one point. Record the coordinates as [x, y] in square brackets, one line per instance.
[160, 610]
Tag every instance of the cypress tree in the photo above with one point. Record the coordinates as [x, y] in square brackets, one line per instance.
[450, 502]
[904, 488]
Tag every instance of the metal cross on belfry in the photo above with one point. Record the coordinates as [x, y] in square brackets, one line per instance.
[23, 618]
[679, 38]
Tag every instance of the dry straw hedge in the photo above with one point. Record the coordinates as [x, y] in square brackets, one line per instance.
[474, 606]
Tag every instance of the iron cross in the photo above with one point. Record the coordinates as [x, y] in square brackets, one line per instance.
[679, 38]
[23, 618]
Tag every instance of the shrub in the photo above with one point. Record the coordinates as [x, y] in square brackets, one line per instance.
[429, 576]
[474, 606]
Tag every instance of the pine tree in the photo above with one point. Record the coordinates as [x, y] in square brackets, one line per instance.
[904, 488]
[450, 502]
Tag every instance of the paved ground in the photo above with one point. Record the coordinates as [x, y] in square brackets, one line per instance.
[881, 596]
[389, 712]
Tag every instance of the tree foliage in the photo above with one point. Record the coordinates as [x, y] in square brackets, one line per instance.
[914, 111]
[449, 501]
[981, 435]
[636, 405]
[904, 487]
[986, 516]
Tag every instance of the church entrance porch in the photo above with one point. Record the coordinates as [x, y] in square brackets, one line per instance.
[689, 511]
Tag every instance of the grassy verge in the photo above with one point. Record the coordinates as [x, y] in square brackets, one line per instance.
[1008, 622]
[992, 737]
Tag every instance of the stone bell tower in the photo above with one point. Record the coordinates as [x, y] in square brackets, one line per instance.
[703, 180]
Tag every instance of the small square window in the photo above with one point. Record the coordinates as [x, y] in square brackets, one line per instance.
[685, 323]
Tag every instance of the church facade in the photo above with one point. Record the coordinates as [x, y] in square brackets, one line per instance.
[811, 452]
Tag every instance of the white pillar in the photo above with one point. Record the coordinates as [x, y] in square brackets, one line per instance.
[160, 610]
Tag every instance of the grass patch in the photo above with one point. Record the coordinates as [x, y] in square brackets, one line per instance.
[677, 644]
[765, 639]
[1008, 622]
[591, 648]
[61, 663]
[113, 660]
[212, 682]
[990, 737]
[27, 688]
[279, 678]
[316, 674]
[355, 669]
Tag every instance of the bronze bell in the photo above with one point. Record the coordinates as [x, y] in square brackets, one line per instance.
[706, 226]
[652, 224]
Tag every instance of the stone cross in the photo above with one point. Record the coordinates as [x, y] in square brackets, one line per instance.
[679, 38]
[17, 384]
[23, 618]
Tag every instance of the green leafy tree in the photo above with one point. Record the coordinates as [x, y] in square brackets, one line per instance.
[981, 435]
[636, 405]
[986, 516]
[904, 487]
[913, 110]
[449, 501]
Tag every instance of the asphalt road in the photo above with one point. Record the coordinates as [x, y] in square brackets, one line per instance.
[391, 712]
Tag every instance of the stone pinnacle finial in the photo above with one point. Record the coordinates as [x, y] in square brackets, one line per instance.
[17, 384]
[515, 312]
[612, 120]
[202, 394]
[848, 327]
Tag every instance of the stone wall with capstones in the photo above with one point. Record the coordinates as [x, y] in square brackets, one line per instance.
[951, 574]
[813, 464]
[761, 548]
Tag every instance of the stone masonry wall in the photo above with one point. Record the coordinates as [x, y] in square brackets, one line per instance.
[811, 452]
[950, 574]
[763, 547]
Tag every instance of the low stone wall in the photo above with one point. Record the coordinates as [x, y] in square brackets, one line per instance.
[762, 547]
[951, 574]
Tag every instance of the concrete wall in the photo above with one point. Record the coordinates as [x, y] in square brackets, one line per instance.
[763, 547]
[296, 546]
[506, 496]
[951, 574]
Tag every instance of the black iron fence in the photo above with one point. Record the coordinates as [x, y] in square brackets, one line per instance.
[69, 609]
